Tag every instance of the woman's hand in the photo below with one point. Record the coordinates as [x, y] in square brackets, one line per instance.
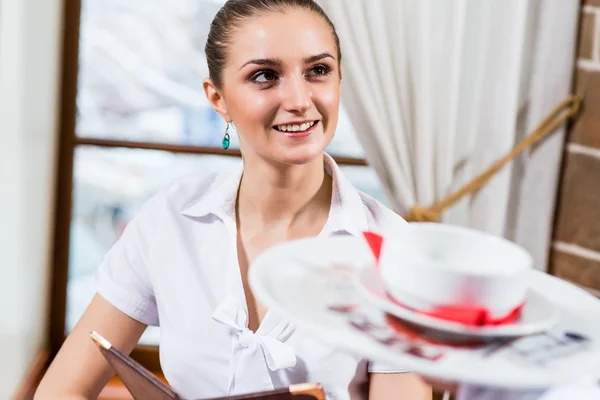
[442, 386]
[398, 386]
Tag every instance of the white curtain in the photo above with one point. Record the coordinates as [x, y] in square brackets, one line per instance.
[438, 90]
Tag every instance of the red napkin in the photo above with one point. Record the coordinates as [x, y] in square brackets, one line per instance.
[375, 241]
[467, 315]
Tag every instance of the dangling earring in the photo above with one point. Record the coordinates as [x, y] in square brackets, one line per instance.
[226, 139]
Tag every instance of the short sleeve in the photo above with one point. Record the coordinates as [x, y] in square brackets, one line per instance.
[123, 278]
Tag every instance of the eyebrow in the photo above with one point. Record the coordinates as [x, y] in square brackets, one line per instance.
[318, 57]
[276, 62]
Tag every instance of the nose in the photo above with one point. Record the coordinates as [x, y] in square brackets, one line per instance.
[297, 95]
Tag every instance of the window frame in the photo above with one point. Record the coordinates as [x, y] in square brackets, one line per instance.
[68, 142]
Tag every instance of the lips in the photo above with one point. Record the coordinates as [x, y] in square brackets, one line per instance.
[295, 126]
[297, 130]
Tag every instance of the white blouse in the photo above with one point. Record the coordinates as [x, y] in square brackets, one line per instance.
[176, 267]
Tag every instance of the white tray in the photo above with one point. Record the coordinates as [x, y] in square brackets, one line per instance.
[312, 283]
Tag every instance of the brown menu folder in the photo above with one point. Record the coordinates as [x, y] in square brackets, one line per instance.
[143, 385]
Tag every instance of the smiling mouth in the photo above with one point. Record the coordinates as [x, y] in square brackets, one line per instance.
[295, 128]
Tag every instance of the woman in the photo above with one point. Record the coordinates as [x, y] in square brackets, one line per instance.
[275, 72]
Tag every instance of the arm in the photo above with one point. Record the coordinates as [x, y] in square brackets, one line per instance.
[399, 386]
[79, 371]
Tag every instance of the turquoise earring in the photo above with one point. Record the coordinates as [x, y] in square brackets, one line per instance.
[226, 138]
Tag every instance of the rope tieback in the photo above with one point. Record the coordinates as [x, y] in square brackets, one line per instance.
[565, 110]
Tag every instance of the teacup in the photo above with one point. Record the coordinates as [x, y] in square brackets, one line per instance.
[429, 265]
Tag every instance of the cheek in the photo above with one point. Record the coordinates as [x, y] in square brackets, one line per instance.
[251, 109]
[330, 103]
[332, 99]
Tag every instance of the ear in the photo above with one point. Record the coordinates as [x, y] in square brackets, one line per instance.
[215, 99]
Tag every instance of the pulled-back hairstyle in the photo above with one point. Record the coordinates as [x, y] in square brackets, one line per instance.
[230, 17]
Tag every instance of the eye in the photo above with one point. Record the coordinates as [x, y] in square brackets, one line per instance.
[319, 70]
[264, 77]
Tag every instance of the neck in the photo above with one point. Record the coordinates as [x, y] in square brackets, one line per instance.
[275, 194]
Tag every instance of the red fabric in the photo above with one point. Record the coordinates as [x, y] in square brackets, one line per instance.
[375, 241]
[471, 316]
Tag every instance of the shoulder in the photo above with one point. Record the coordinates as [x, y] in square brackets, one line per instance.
[193, 189]
[380, 218]
[176, 197]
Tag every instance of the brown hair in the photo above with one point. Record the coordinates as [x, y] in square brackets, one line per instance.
[231, 15]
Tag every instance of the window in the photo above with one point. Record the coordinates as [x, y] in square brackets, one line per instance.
[135, 120]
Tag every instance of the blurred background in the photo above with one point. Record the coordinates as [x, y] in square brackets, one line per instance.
[101, 106]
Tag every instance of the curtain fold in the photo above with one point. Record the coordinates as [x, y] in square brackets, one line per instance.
[438, 90]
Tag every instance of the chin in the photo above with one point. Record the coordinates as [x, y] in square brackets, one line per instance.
[299, 156]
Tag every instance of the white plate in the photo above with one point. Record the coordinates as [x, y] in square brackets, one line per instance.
[311, 283]
[538, 313]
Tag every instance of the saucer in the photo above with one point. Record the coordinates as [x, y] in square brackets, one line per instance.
[537, 315]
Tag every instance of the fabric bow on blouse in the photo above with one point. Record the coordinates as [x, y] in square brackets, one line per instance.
[250, 348]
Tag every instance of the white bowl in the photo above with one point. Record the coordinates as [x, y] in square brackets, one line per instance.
[428, 265]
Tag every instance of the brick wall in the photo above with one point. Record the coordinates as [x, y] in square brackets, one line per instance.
[576, 246]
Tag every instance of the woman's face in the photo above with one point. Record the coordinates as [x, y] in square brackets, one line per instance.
[281, 85]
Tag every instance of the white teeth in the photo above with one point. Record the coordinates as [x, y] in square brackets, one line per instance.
[295, 127]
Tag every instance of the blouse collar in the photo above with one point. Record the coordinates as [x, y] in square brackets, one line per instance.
[346, 215]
